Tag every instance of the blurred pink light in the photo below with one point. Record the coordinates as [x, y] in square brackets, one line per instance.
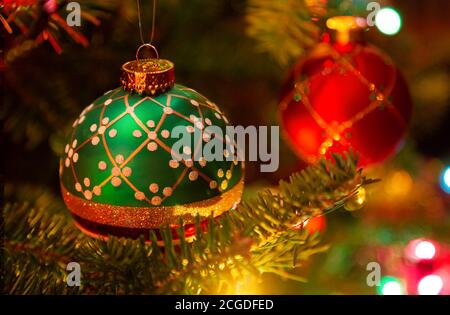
[430, 285]
[421, 249]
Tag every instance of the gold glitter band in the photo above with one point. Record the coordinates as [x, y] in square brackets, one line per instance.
[152, 217]
[148, 76]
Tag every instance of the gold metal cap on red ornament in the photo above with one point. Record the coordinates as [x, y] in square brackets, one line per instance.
[148, 76]
[346, 29]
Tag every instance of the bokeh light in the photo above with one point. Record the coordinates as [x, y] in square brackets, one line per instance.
[388, 21]
[430, 285]
[421, 249]
[445, 180]
[425, 250]
[399, 184]
[391, 286]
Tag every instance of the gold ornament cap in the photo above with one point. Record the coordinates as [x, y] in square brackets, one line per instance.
[346, 29]
[149, 76]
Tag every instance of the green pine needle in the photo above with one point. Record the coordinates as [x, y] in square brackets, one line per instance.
[264, 235]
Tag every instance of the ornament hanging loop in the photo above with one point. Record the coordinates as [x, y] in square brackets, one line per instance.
[148, 75]
[148, 46]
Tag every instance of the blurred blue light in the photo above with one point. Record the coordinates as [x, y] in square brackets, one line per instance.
[445, 180]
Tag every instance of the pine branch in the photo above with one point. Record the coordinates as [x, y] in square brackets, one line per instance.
[37, 246]
[282, 28]
[35, 112]
[30, 23]
[286, 29]
[262, 236]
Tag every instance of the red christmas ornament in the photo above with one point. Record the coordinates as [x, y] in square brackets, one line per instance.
[345, 94]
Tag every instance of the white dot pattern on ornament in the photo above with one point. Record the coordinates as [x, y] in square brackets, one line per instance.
[115, 171]
[137, 133]
[154, 188]
[156, 201]
[152, 146]
[213, 184]
[152, 135]
[88, 194]
[193, 175]
[102, 165]
[139, 195]
[97, 190]
[188, 162]
[126, 171]
[173, 163]
[112, 133]
[165, 133]
[116, 181]
[167, 191]
[119, 159]
[95, 140]
[119, 171]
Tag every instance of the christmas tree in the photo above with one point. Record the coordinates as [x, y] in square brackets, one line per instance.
[295, 230]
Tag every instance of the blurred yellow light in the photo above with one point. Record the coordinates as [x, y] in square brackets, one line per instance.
[248, 285]
[399, 184]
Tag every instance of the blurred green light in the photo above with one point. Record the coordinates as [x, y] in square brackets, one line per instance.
[390, 286]
[388, 21]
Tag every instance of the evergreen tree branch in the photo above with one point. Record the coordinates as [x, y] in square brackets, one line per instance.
[286, 29]
[282, 28]
[264, 235]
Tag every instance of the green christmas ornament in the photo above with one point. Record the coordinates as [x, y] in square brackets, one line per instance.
[120, 174]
